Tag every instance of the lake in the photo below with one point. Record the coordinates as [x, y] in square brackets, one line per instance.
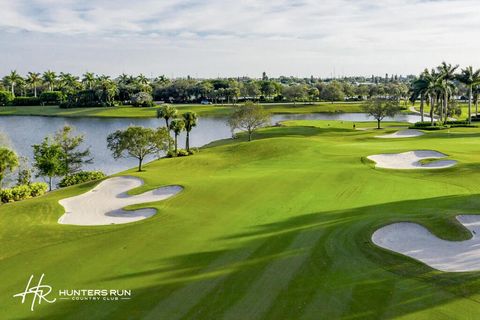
[24, 131]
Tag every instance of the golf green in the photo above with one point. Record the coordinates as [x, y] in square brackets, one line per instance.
[276, 228]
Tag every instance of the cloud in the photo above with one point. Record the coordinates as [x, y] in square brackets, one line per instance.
[296, 36]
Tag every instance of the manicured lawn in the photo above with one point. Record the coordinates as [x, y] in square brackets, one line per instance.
[202, 110]
[278, 228]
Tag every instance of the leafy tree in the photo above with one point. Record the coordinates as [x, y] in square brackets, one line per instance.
[138, 142]
[48, 160]
[447, 75]
[333, 91]
[249, 117]
[142, 99]
[12, 80]
[72, 158]
[33, 80]
[89, 80]
[8, 162]
[295, 93]
[6, 98]
[177, 126]
[106, 91]
[24, 172]
[469, 78]
[190, 119]
[379, 108]
[251, 90]
[166, 112]
[49, 77]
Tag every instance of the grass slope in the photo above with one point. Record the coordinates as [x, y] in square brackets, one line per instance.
[278, 228]
[202, 110]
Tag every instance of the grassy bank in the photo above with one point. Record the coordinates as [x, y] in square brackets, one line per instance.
[278, 228]
[202, 110]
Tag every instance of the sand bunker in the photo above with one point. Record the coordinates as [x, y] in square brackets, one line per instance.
[104, 204]
[408, 133]
[417, 242]
[411, 160]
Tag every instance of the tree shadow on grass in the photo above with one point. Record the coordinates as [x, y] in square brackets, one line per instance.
[313, 265]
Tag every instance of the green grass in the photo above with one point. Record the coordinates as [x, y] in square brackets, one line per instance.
[202, 110]
[278, 228]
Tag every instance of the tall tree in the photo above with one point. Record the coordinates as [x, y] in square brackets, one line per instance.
[49, 77]
[48, 159]
[418, 88]
[8, 162]
[476, 95]
[72, 158]
[12, 80]
[138, 142]
[88, 80]
[447, 75]
[469, 78]
[177, 126]
[190, 119]
[33, 80]
[166, 112]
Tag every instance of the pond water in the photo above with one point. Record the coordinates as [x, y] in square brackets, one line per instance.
[24, 131]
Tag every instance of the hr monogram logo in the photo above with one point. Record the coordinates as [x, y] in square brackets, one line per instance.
[39, 292]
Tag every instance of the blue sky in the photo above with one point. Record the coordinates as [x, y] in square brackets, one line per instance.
[233, 38]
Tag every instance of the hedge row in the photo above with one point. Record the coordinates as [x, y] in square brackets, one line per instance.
[26, 101]
[23, 192]
[80, 177]
[45, 98]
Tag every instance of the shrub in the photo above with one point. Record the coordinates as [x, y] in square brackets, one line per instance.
[180, 153]
[52, 97]
[424, 124]
[38, 188]
[439, 127]
[81, 177]
[475, 118]
[6, 98]
[26, 101]
[23, 192]
[142, 99]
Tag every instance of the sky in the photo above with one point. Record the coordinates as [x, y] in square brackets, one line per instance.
[211, 38]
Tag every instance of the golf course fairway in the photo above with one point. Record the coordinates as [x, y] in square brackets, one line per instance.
[276, 228]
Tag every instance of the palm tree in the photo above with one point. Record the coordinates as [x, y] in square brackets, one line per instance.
[419, 88]
[143, 80]
[12, 79]
[68, 81]
[469, 78]
[432, 90]
[190, 119]
[33, 80]
[89, 80]
[447, 75]
[166, 112]
[49, 77]
[476, 95]
[177, 126]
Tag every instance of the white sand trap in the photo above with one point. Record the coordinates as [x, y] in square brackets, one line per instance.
[417, 242]
[104, 204]
[411, 160]
[408, 133]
